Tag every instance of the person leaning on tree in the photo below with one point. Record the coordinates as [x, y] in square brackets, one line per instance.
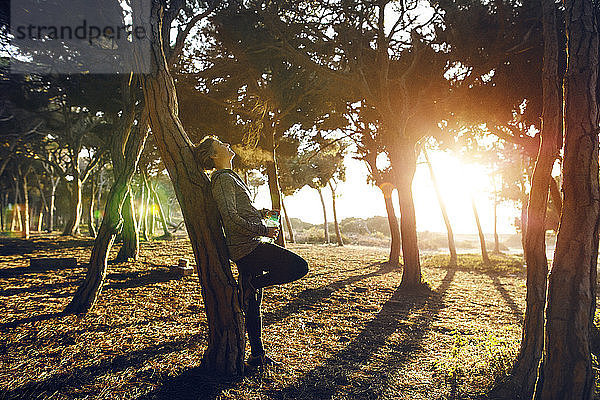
[260, 264]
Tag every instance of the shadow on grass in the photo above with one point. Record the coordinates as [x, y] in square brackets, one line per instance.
[324, 381]
[46, 288]
[18, 271]
[36, 318]
[309, 298]
[516, 310]
[135, 279]
[10, 246]
[192, 383]
[61, 383]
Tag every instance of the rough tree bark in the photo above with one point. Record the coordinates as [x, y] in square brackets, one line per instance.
[338, 233]
[404, 164]
[226, 336]
[484, 253]
[567, 364]
[325, 223]
[524, 374]
[438, 193]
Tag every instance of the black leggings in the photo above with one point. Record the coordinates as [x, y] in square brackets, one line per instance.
[267, 265]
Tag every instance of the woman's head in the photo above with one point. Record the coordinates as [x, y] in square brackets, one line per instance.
[211, 153]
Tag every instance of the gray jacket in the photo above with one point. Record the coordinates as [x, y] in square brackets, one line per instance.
[242, 222]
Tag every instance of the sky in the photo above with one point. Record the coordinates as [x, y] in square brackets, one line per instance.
[457, 181]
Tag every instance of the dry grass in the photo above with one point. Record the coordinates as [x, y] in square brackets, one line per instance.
[343, 332]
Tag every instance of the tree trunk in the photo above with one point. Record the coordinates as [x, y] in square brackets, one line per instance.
[226, 334]
[496, 238]
[2, 211]
[325, 223]
[288, 223]
[130, 247]
[147, 202]
[404, 164]
[142, 207]
[394, 258]
[338, 234]
[72, 226]
[89, 291]
[51, 207]
[524, 373]
[438, 193]
[567, 366]
[25, 232]
[15, 223]
[166, 233]
[484, 253]
[273, 180]
[91, 226]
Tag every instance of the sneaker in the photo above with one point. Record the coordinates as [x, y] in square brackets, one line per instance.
[262, 361]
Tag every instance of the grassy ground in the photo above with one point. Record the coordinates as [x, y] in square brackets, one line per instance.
[345, 331]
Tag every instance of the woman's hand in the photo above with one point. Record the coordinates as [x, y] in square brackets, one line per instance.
[272, 232]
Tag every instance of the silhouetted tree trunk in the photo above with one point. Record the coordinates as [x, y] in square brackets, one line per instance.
[16, 223]
[288, 223]
[147, 203]
[72, 225]
[91, 225]
[451, 244]
[496, 238]
[484, 253]
[567, 363]
[525, 370]
[166, 234]
[130, 247]
[394, 257]
[226, 334]
[325, 223]
[404, 164]
[273, 180]
[25, 233]
[44, 212]
[51, 207]
[338, 234]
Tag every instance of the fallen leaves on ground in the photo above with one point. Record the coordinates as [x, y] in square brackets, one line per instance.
[345, 331]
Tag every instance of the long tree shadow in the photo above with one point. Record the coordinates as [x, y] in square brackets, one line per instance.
[36, 318]
[324, 381]
[309, 298]
[192, 383]
[516, 310]
[79, 377]
[70, 337]
[18, 271]
[42, 289]
[135, 279]
[16, 246]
